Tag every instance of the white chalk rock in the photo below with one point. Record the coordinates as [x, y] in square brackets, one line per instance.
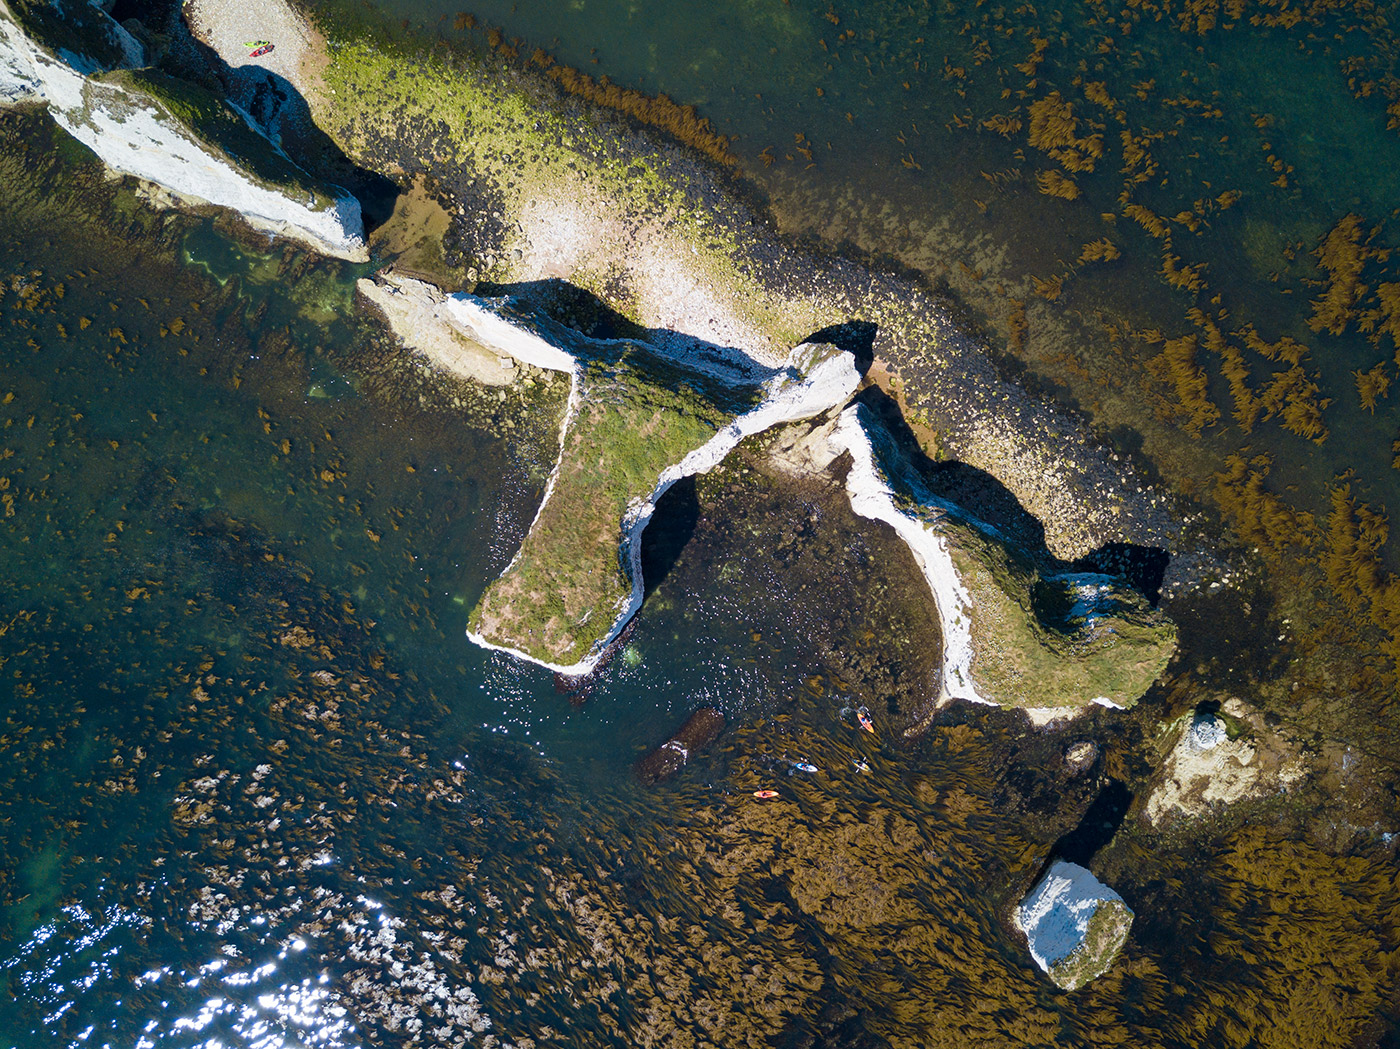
[1074, 924]
[121, 117]
[1207, 732]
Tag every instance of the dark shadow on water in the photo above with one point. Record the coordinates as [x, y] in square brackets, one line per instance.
[1143, 566]
[272, 101]
[855, 337]
[671, 527]
[1097, 828]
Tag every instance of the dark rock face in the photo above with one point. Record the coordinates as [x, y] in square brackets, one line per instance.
[699, 730]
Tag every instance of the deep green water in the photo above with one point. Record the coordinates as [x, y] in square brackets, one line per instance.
[246, 534]
[197, 618]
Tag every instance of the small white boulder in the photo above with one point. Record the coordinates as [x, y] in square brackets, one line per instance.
[1074, 924]
[1207, 732]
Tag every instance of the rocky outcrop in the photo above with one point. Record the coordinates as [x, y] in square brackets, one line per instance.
[417, 312]
[1074, 924]
[1219, 757]
[642, 414]
[1015, 634]
[175, 134]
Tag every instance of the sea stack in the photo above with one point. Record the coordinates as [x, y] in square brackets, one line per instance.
[1074, 924]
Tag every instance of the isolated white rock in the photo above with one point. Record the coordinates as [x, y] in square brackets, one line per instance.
[1074, 924]
[1207, 732]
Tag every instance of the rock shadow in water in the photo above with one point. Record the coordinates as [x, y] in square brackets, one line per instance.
[1097, 827]
[273, 103]
[671, 528]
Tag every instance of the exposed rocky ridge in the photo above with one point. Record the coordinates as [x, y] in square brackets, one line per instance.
[641, 415]
[1014, 634]
[172, 133]
[666, 241]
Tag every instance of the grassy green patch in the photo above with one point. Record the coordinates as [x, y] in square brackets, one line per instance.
[568, 583]
[1024, 659]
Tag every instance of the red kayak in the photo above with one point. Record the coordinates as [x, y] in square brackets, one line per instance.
[262, 50]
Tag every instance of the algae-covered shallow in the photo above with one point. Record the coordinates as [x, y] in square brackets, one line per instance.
[257, 785]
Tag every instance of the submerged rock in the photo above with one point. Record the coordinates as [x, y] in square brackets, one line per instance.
[1080, 756]
[1074, 924]
[699, 730]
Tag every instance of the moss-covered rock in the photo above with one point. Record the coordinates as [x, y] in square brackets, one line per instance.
[1019, 628]
[642, 415]
[1074, 924]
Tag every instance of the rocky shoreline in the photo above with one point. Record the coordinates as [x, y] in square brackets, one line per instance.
[668, 242]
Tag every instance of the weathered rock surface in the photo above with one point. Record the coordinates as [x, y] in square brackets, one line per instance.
[418, 314]
[1015, 633]
[1074, 924]
[1219, 759]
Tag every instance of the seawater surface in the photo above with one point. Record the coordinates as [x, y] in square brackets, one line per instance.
[259, 790]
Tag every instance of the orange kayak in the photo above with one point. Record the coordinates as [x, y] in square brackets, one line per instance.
[765, 794]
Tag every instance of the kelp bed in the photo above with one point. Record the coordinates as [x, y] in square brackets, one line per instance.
[213, 754]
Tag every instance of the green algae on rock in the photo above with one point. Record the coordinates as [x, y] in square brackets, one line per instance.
[1016, 633]
[641, 415]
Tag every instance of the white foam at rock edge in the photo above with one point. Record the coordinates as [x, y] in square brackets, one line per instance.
[872, 497]
[1055, 915]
